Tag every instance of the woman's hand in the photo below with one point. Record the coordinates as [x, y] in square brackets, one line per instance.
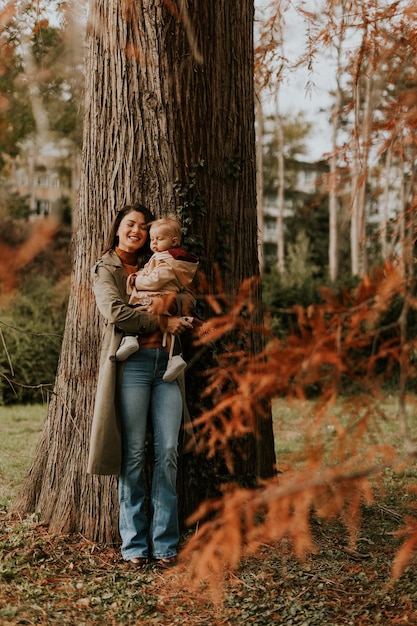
[177, 325]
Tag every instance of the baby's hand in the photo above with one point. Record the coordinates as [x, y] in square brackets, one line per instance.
[157, 306]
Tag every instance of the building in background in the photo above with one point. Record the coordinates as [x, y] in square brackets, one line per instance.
[44, 175]
[304, 183]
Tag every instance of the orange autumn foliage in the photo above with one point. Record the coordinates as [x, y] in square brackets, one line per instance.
[340, 340]
[15, 258]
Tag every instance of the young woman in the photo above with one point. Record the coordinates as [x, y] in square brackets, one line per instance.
[130, 392]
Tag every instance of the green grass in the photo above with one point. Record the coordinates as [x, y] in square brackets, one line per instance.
[20, 427]
[294, 420]
[61, 581]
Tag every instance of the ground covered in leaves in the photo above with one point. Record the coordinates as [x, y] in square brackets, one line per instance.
[68, 580]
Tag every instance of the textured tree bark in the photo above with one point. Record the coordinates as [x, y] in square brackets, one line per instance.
[156, 119]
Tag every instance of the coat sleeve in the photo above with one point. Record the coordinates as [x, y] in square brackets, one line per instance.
[185, 303]
[113, 306]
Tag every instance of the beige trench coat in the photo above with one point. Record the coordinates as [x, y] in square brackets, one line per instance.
[109, 286]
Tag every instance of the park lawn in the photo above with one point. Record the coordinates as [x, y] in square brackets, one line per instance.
[20, 427]
[69, 580]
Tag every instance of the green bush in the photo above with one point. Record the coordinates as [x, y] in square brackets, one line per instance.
[31, 327]
[32, 319]
[279, 295]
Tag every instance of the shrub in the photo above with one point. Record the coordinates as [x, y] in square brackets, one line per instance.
[32, 317]
[31, 327]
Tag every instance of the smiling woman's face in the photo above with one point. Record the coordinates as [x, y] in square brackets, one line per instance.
[132, 232]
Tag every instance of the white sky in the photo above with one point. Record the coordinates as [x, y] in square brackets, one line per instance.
[314, 102]
[294, 95]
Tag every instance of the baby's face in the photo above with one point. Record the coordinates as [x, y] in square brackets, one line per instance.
[160, 239]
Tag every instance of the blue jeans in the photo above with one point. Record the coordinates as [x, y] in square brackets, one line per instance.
[143, 391]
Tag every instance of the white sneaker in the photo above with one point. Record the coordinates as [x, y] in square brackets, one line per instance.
[128, 346]
[175, 366]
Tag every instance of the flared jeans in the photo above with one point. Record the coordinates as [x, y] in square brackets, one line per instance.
[143, 393]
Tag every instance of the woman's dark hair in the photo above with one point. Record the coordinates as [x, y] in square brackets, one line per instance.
[113, 239]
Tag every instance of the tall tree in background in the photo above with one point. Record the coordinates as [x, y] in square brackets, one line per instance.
[259, 178]
[16, 116]
[363, 99]
[41, 80]
[397, 135]
[371, 46]
[169, 123]
[269, 73]
[337, 22]
[279, 127]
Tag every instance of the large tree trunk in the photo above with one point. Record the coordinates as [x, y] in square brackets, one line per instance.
[156, 120]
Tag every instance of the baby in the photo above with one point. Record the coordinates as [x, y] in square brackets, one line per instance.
[169, 270]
